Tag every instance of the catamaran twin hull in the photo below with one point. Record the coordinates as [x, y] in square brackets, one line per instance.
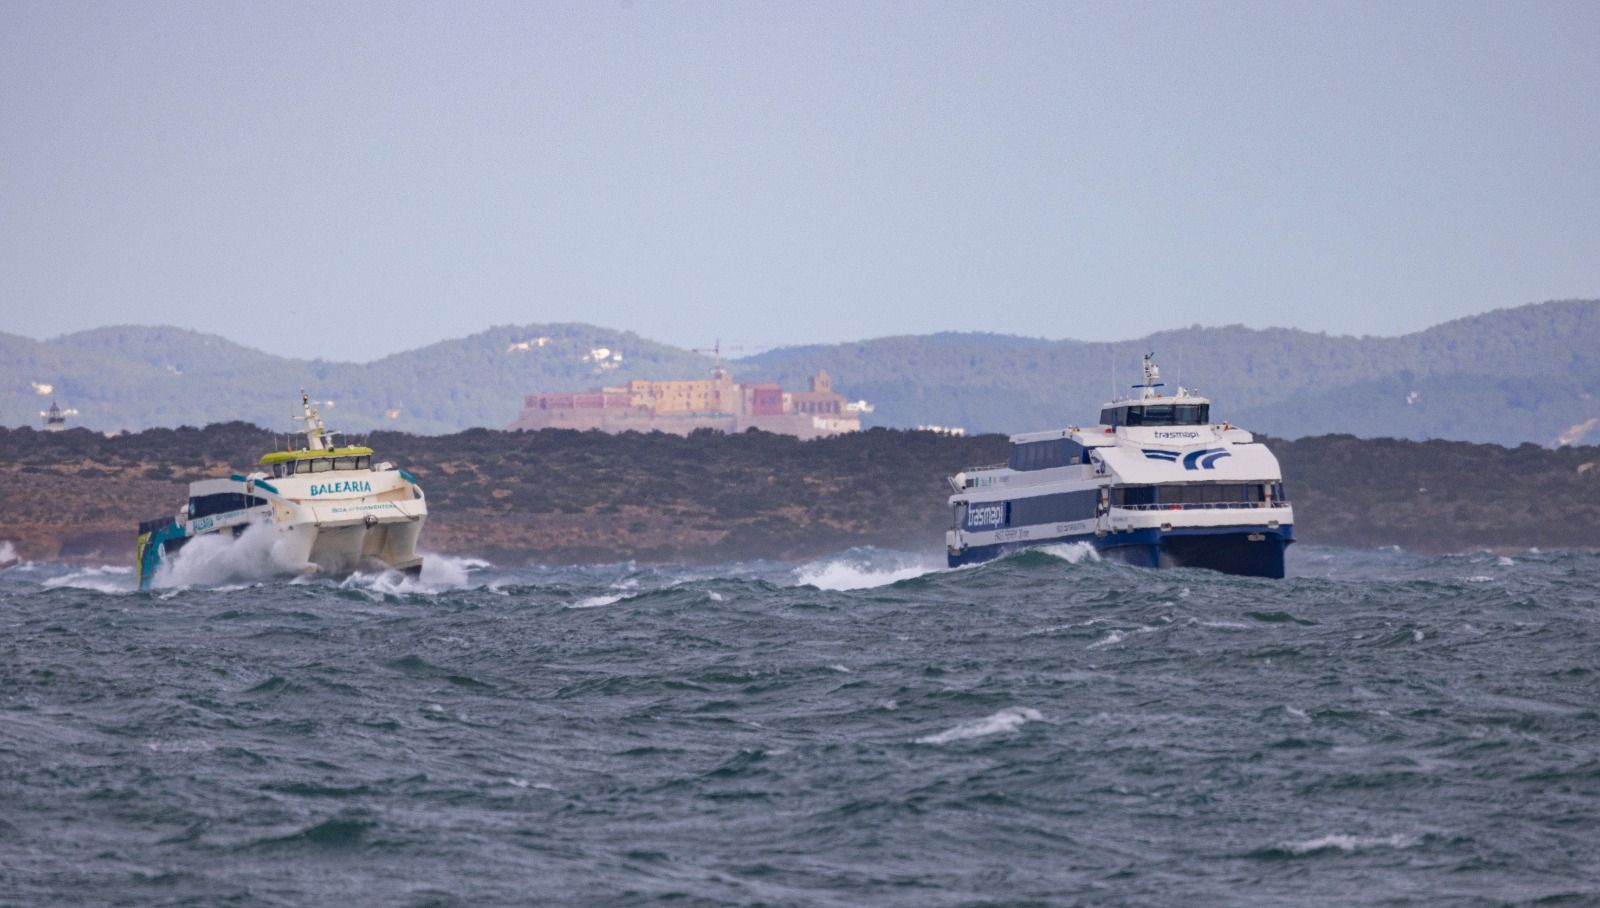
[1155, 483]
[322, 509]
[1251, 551]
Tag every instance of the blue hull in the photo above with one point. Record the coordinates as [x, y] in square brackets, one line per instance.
[1231, 550]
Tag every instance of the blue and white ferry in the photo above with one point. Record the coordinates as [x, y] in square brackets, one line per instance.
[1156, 483]
[329, 509]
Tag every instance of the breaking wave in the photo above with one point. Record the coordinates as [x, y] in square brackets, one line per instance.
[862, 570]
[440, 574]
[107, 578]
[218, 558]
[1071, 552]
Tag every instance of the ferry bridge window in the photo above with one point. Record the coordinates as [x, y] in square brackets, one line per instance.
[344, 463]
[321, 465]
[1158, 415]
[364, 462]
[1042, 455]
[277, 471]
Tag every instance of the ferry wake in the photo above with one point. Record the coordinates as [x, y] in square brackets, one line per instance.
[329, 509]
[1156, 484]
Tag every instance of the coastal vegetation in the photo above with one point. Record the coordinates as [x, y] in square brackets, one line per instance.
[559, 496]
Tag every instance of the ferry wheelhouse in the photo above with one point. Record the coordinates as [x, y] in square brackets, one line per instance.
[329, 509]
[1157, 483]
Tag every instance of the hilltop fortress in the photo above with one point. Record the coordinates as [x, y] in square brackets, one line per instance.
[680, 407]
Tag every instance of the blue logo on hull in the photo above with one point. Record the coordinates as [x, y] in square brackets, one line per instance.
[1204, 459]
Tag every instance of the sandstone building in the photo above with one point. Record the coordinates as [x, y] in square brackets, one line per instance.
[680, 407]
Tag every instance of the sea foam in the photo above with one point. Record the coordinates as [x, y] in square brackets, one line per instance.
[1003, 722]
[852, 573]
[103, 579]
[215, 559]
[1071, 552]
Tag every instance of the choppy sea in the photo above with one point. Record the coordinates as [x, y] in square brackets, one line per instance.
[1382, 728]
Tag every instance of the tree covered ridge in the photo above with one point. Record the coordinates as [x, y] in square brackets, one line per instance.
[560, 496]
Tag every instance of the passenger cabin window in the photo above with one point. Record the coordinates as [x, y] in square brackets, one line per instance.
[1157, 415]
[277, 471]
[221, 503]
[1193, 493]
[344, 463]
[321, 465]
[364, 462]
[1043, 455]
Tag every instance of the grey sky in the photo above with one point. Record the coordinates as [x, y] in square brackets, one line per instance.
[350, 180]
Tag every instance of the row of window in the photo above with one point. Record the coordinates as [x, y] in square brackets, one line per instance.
[1157, 415]
[1042, 455]
[1060, 508]
[1197, 493]
[1063, 507]
[322, 465]
[221, 503]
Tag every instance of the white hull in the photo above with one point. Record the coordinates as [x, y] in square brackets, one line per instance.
[324, 509]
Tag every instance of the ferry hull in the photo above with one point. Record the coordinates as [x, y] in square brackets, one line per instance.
[351, 547]
[1246, 551]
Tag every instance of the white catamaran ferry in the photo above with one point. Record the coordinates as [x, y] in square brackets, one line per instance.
[1156, 483]
[331, 510]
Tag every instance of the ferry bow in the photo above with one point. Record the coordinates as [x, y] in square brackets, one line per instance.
[329, 509]
[1155, 483]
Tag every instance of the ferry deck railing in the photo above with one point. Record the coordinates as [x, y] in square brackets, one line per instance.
[993, 466]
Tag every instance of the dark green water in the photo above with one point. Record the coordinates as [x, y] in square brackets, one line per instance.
[1380, 729]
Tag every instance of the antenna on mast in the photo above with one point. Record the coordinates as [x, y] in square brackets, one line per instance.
[318, 438]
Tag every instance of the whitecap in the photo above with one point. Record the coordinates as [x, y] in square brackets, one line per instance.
[440, 574]
[1503, 561]
[1224, 625]
[1071, 552]
[1003, 722]
[107, 578]
[848, 573]
[595, 601]
[1348, 843]
[214, 559]
[1110, 639]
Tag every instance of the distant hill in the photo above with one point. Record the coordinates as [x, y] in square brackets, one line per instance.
[134, 377]
[1508, 376]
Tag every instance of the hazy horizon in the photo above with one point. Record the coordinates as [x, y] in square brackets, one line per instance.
[351, 182]
[747, 350]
